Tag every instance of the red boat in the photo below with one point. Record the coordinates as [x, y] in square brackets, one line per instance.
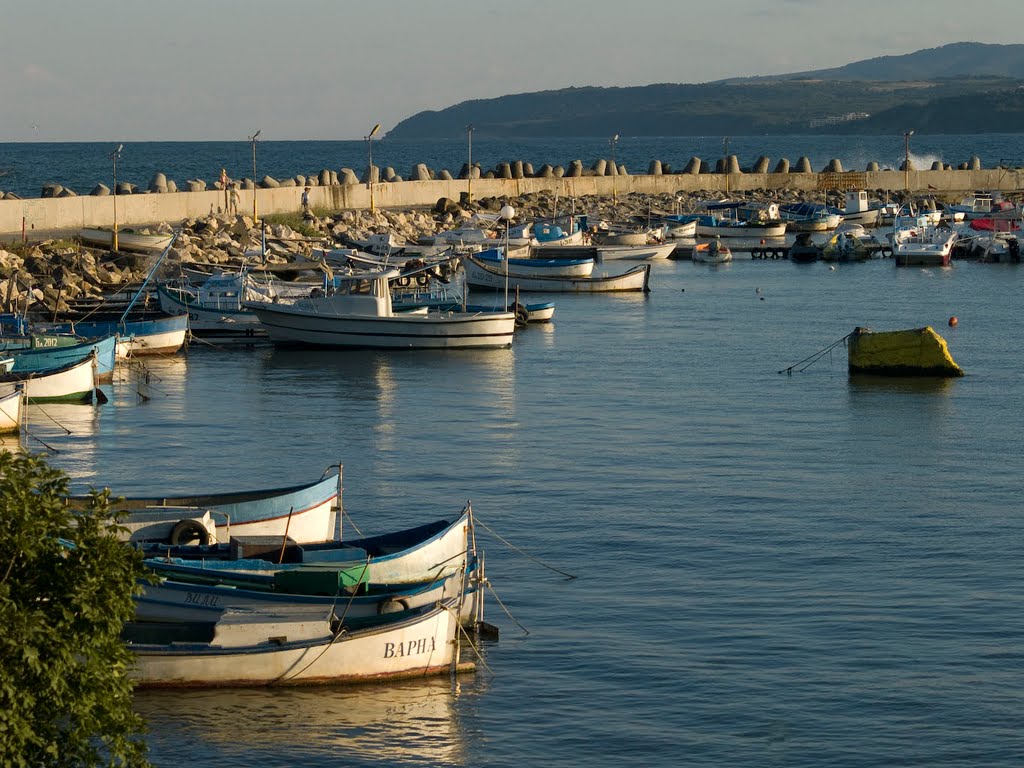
[990, 224]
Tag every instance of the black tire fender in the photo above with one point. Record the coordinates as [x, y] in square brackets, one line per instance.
[186, 530]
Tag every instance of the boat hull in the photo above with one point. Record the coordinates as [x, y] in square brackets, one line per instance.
[10, 411]
[265, 653]
[74, 382]
[41, 356]
[290, 325]
[635, 252]
[306, 512]
[635, 279]
[128, 241]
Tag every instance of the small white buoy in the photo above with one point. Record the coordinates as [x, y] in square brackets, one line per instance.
[757, 290]
[832, 267]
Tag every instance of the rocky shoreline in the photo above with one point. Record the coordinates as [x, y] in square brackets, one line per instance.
[42, 277]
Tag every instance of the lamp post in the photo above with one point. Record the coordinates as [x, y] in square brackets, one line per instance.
[507, 213]
[725, 163]
[615, 169]
[252, 140]
[469, 163]
[906, 159]
[113, 156]
[369, 170]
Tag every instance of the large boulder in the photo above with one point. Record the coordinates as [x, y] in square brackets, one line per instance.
[654, 168]
[269, 182]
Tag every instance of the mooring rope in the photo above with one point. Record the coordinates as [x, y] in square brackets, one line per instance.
[509, 544]
[505, 609]
[815, 357]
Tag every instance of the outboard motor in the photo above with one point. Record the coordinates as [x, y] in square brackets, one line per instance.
[1013, 248]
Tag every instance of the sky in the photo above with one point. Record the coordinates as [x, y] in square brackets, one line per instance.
[184, 70]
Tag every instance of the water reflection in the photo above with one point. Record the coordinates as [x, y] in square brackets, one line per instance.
[408, 722]
[908, 385]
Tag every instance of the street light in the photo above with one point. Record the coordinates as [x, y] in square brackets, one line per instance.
[113, 156]
[725, 163]
[507, 213]
[469, 165]
[906, 159]
[252, 139]
[369, 171]
[613, 141]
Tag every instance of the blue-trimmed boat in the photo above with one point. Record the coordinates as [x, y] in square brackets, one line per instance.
[570, 267]
[52, 352]
[153, 334]
[304, 513]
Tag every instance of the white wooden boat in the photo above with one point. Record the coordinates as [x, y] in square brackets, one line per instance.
[647, 252]
[634, 279]
[72, 382]
[305, 513]
[10, 411]
[126, 239]
[359, 314]
[568, 267]
[174, 599]
[411, 556]
[248, 648]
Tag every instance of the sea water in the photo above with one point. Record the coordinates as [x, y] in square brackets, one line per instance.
[771, 564]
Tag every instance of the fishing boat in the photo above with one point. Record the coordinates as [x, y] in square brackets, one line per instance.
[557, 267]
[10, 410]
[712, 252]
[258, 648]
[73, 382]
[479, 274]
[678, 226]
[914, 352]
[810, 217]
[140, 329]
[430, 551]
[151, 333]
[127, 239]
[215, 306]
[644, 252]
[358, 313]
[423, 565]
[205, 597]
[53, 351]
[305, 513]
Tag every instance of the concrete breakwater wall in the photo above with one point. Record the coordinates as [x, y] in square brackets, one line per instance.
[346, 192]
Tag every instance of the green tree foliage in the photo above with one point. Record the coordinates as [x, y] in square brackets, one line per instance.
[66, 586]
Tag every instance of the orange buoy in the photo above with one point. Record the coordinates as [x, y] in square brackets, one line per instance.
[953, 321]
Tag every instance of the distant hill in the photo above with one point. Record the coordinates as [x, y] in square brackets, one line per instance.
[926, 90]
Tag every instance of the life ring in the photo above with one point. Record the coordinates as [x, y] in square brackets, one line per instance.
[402, 282]
[422, 279]
[392, 605]
[186, 530]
